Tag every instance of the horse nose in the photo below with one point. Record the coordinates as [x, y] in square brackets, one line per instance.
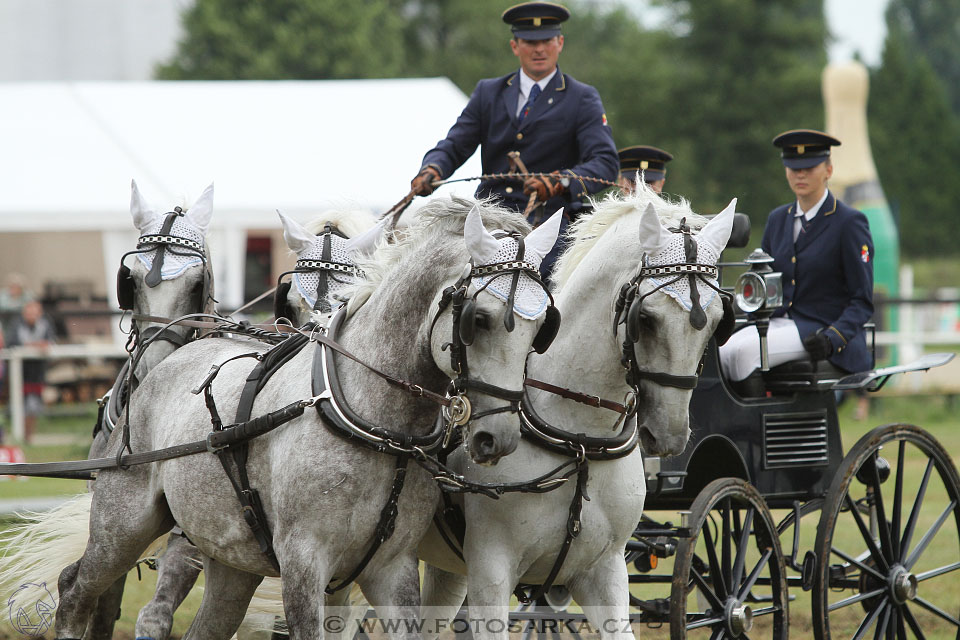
[487, 448]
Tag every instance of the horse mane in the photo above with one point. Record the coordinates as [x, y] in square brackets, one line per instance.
[585, 232]
[350, 223]
[437, 218]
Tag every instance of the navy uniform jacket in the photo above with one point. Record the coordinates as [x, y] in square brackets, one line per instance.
[565, 131]
[827, 276]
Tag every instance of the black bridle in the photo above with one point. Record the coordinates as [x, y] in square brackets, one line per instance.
[163, 242]
[325, 268]
[463, 308]
[631, 299]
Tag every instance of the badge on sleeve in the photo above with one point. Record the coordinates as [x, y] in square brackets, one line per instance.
[604, 119]
[865, 253]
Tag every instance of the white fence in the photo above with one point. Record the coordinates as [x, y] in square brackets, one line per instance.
[16, 355]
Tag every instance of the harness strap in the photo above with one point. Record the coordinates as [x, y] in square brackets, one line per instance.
[576, 396]
[574, 525]
[385, 527]
[83, 469]
[154, 276]
[251, 507]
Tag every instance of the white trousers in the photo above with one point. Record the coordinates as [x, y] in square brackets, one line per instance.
[740, 356]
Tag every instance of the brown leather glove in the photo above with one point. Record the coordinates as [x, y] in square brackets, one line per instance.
[545, 187]
[422, 185]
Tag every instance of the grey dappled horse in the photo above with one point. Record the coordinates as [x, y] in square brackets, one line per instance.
[322, 494]
[179, 566]
[178, 283]
[518, 537]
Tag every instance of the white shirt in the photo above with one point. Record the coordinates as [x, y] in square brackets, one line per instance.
[526, 83]
[797, 224]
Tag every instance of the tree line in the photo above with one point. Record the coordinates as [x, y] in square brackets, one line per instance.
[712, 82]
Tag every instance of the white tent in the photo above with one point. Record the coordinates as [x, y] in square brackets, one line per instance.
[69, 151]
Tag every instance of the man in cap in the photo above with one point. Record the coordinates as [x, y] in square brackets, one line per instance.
[556, 124]
[824, 250]
[648, 161]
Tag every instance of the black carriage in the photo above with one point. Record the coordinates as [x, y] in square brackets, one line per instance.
[870, 534]
[764, 511]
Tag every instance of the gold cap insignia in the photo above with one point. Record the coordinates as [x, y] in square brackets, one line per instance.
[644, 164]
[800, 148]
[537, 21]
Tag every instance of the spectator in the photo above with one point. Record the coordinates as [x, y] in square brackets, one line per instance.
[12, 299]
[34, 330]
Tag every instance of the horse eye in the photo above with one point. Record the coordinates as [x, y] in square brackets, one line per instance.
[482, 320]
[648, 322]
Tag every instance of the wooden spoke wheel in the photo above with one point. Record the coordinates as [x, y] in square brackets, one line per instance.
[729, 579]
[888, 543]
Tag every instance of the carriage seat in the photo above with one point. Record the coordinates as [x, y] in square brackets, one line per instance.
[801, 375]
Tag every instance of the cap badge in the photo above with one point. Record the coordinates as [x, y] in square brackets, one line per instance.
[537, 21]
[644, 164]
[800, 148]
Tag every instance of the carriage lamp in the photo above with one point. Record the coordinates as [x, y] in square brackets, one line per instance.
[759, 291]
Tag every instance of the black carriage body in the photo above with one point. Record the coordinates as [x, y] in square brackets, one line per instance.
[787, 446]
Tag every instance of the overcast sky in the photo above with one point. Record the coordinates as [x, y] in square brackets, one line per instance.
[857, 25]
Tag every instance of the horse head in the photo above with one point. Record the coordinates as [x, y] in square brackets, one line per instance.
[168, 275]
[326, 250]
[497, 315]
[671, 310]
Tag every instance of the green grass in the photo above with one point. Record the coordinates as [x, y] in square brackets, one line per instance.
[934, 414]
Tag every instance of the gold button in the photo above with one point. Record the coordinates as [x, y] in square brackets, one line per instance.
[793, 282]
[509, 189]
[519, 136]
[791, 304]
[793, 259]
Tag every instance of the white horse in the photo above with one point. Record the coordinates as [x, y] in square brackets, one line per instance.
[322, 494]
[168, 278]
[518, 538]
[179, 566]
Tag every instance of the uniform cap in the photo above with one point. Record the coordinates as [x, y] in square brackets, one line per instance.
[650, 160]
[535, 20]
[804, 148]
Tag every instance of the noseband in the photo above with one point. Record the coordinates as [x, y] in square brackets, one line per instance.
[631, 299]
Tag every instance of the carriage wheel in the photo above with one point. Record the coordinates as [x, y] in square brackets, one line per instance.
[729, 579]
[887, 547]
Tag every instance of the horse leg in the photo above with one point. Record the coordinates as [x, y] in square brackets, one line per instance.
[225, 598]
[177, 571]
[107, 611]
[124, 520]
[305, 576]
[349, 606]
[603, 592]
[443, 595]
[491, 577]
[393, 588]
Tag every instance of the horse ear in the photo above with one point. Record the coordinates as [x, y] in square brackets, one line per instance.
[653, 235]
[480, 243]
[542, 239]
[297, 237]
[143, 214]
[202, 210]
[366, 241]
[717, 231]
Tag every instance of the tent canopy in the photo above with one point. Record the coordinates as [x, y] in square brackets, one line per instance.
[71, 149]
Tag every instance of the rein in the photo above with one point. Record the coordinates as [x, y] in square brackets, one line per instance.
[523, 175]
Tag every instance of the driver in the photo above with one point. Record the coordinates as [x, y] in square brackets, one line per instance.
[557, 124]
[824, 250]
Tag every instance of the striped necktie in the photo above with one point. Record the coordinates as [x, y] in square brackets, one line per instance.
[534, 93]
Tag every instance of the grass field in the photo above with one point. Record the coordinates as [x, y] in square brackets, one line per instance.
[65, 438]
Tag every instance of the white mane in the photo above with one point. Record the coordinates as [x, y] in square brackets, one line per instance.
[350, 223]
[584, 233]
[436, 218]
